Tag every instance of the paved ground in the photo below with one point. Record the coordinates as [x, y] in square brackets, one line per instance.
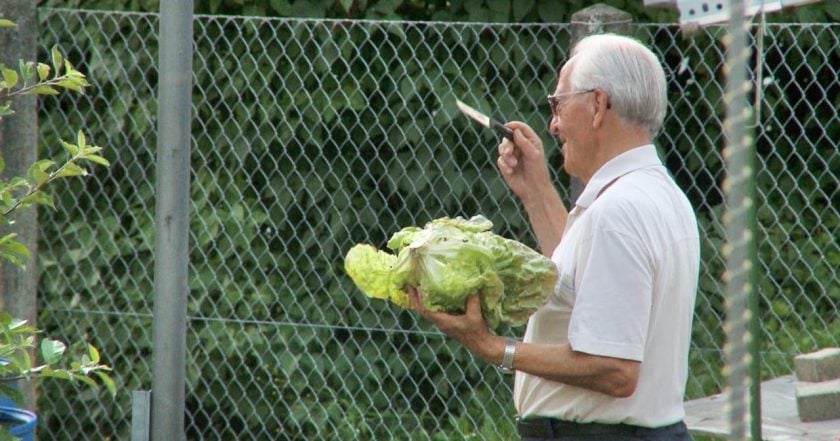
[780, 420]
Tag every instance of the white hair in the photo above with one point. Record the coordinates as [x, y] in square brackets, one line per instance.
[628, 72]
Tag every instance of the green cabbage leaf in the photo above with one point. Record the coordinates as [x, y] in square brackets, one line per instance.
[451, 259]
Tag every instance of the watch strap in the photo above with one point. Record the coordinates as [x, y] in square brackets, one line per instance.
[507, 358]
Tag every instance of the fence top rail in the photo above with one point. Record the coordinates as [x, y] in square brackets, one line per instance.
[345, 21]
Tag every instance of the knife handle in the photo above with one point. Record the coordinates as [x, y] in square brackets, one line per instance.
[506, 132]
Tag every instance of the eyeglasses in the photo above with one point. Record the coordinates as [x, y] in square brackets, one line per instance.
[558, 100]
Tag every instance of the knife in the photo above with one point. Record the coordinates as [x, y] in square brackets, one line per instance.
[484, 120]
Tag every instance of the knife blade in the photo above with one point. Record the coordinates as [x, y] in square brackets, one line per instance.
[484, 120]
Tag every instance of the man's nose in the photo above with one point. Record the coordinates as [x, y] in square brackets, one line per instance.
[552, 126]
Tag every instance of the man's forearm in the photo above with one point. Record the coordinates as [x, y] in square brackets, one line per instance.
[558, 362]
[612, 376]
[547, 216]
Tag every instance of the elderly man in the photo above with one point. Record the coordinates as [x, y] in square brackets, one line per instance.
[606, 358]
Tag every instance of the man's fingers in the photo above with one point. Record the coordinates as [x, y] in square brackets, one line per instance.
[525, 146]
[507, 157]
[473, 304]
[526, 141]
[415, 299]
[505, 147]
[504, 167]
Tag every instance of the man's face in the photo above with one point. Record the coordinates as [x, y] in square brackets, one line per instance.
[571, 123]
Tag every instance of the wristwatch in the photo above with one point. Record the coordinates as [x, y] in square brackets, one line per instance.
[506, 366]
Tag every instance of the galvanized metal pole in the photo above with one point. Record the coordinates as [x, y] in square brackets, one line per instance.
[754, 301]
[140, 415]
[739, 221]
[172, 219]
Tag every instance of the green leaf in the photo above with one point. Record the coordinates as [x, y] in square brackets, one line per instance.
[108, 382]
[16, 323]
[39, 198]
[44, 90]
[13, 250]
[521, 8]
[77, 76]
[56, 373]
[383, 8]
[87, 380]
[307, 9]
[25, 330]
[57, 59]
[27, 360]
[552, 12]
[91, 150]
[73, 149]
[98, 159]
[71, 169]
[71, 84]
[6, 23]
[93, 353]
[43, 71]
[39, 171]
[6, 109]
[27, 70]
[81, 141]
[17, 183]
[52, 350]
[280, 6]
[10, 77]
[500, 8]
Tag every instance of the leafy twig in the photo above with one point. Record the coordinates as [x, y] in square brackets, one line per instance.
[38, 175]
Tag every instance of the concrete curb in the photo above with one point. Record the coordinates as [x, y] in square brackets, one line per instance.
[818, 389]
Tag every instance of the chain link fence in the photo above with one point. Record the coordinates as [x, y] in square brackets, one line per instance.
[312, 135]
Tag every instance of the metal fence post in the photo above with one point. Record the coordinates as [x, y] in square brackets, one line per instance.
[741, 371]
[596, 19]
[19, 144]
[140, 415]
[172, 220]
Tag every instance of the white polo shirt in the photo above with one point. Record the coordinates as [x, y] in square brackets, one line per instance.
[628, 264]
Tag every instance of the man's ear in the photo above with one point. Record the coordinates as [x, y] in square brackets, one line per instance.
[601, 106]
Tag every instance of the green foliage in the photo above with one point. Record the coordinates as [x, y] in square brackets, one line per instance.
[18, 193]
[17, 339]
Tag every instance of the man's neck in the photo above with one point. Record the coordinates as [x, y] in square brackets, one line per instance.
[613, 144]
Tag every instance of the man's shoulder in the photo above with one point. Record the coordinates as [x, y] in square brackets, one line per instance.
[650, 197]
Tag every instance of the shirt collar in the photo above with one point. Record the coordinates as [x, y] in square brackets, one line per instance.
[631, 160]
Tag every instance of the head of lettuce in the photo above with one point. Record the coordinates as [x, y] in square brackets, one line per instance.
[452, 259]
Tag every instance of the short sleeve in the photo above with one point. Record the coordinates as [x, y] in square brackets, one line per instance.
[614, 288]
